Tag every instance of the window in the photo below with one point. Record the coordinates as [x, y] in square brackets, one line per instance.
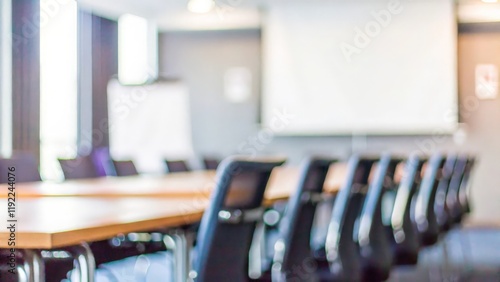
[137, 50]
[58, 85]
[5, 79]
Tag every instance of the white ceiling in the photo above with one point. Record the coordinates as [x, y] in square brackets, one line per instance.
[173, 14]
[143, 8]
[233, 14]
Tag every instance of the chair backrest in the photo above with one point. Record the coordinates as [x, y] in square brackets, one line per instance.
[440, 208]
[78, 168]
[25, 168]
[125, 168]
[103, 163]
[342, 251]
[293, 246]
[176, 166]
[210, 163]
[423, 215]
[375, 248]
[453, 205]
[228, 224]
[463, 194]
[405, 241]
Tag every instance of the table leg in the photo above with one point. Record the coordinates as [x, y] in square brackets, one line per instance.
[85, 262]
[22, 276]
[181, 253]
[33, 266]
[257, 252]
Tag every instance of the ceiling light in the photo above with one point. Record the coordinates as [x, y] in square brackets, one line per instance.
[490, 1]
[200, 6]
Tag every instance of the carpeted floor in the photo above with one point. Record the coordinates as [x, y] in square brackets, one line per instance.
[463, 255]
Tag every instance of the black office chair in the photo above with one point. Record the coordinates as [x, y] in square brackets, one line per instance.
[293, 246]
[176, 166]
[103, 163]
[78, 168]
[403, 234]
[228, 224]
[457, 199]
[374, 246]
[463, 194]
[342, 251]
[24, 166]
[210, 163]
[125, 168]
[440, 207]
[423, 215]
[453, 205]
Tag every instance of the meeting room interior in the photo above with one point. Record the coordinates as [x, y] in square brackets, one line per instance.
[249, 140]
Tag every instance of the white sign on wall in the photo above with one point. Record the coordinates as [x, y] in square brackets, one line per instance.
[486, 81]
[238, 84]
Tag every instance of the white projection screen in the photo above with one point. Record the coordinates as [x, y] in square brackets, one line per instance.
[364, 67]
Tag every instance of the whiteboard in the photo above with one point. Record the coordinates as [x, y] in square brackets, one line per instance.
[343, 67]
[149, 123]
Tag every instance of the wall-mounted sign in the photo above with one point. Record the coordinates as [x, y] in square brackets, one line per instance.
[486, 81]
[238, 84]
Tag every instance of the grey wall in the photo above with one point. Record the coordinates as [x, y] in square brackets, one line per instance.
[200, 59]
[220, 127]
[480, 44]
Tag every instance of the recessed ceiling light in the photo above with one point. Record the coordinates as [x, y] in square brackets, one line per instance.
[490, 1]
[200, 6]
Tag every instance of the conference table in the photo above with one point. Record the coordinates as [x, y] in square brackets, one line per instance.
[53, 223]
[72, 213]
[194, 184]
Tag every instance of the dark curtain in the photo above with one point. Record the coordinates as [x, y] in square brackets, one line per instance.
[98, 63]
[26, 76]
[104, 66]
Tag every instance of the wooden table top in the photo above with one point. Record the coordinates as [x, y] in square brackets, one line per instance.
[52, 215]
[183, 184]
[52, 222]
[283, 181]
